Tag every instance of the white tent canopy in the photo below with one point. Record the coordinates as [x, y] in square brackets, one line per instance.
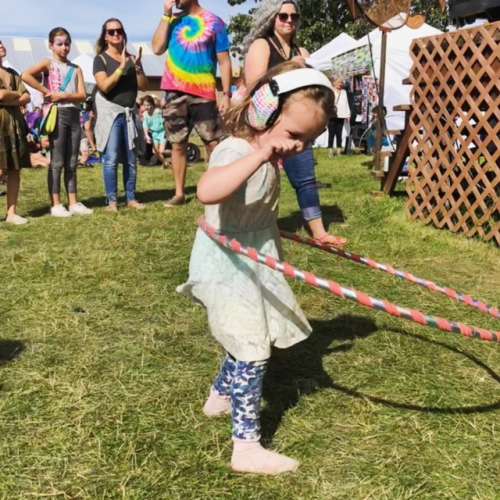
[86, 63]
[398, 62]
[321, 59]
[398, 66]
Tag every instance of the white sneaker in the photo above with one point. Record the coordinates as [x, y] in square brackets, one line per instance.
[80, 209]
[59, 211]
[15, 219]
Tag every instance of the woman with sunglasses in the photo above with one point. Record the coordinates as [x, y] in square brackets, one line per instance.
[272, 41]
[118, 132]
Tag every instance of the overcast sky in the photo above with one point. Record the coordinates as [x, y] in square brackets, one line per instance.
[83, 18]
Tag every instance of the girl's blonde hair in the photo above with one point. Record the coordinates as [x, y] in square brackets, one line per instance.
[235, 120]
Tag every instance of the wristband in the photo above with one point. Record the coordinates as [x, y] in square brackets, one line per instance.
[119, 71]
[227, 93]
[166, 18]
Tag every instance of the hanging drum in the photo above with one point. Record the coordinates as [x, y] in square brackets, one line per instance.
[387, 14]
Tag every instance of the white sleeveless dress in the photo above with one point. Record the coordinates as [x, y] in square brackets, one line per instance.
[250, 307]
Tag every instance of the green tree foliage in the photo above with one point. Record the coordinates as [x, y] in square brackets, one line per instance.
[323, 20]
[431, 10]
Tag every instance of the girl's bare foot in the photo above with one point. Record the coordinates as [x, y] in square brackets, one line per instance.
[217, 405]
[253, 458]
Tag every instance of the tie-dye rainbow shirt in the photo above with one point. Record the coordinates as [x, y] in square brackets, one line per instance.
[194, 42]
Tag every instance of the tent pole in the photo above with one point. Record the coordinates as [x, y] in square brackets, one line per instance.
[380, 115]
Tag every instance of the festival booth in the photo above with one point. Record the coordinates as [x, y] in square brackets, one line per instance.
[399, 63]
[358, 62]
[322, 58]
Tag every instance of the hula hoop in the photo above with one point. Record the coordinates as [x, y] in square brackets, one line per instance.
[404, 275]
[335, 288]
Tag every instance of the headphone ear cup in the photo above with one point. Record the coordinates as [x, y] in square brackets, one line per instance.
[263, 109]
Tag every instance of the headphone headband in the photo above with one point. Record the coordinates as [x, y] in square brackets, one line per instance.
[299, 78]
[267, 99]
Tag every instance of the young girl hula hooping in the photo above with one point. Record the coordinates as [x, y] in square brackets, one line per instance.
[250, 307]
[63, 87]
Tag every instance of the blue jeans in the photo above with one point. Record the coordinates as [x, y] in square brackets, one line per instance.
[301, 174]
[117, 151]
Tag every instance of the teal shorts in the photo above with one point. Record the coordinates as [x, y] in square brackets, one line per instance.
[159, 138]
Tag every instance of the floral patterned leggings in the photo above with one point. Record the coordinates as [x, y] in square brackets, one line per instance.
[242, 381]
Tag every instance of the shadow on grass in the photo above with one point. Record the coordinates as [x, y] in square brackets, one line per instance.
[150, 196]
[332, 214]
[10, 350]
[163, 194]
[299, 371]
[399, 194]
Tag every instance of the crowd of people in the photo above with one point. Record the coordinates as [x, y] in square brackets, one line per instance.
[281, 107]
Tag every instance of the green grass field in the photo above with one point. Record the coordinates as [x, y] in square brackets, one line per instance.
[104, 368]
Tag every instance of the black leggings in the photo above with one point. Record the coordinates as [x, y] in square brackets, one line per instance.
[335, 128]
[64, 149]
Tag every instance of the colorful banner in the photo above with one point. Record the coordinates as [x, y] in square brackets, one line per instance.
[354, 62]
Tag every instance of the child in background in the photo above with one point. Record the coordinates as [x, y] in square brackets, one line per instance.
[250, 307]
[154, 128]
[64, 87]
[88, 152]
[14, 152]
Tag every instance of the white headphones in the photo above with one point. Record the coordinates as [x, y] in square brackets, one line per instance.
[267, 99]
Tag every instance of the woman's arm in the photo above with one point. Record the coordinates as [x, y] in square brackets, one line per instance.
[76, 97]
[13, 98]
[31, 75]
[256, 61]
[142, 80]
[107, 83]
[218, 183]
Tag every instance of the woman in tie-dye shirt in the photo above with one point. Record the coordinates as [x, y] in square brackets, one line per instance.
[195, 41]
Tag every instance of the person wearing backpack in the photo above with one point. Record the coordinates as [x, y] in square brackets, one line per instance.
[63, 89]
[118, 130]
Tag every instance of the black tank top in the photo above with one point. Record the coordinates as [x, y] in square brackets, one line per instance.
[275, 56]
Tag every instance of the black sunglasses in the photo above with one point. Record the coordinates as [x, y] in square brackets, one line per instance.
[283, 17]
[114, 32]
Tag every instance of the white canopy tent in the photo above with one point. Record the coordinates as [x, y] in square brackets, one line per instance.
[398, 67]
[86, 63]
[398, 62]
[321, 59]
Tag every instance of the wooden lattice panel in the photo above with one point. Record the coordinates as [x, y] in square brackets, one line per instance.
[454, 178]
